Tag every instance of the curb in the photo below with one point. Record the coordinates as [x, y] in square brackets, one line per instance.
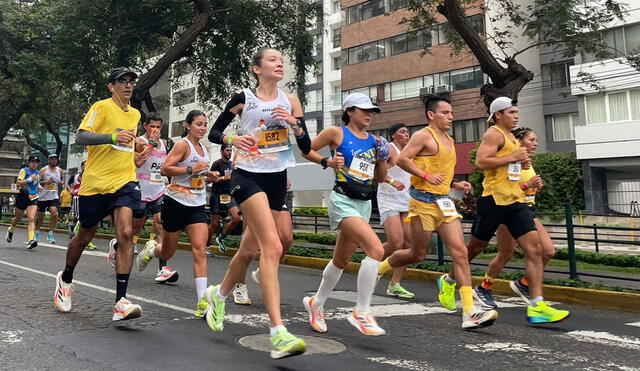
[624, 301]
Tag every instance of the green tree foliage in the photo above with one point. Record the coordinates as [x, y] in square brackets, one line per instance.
[562, 175]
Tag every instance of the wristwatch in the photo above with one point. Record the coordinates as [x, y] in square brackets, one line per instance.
[296, 126]
[324, 162]
[189, 170]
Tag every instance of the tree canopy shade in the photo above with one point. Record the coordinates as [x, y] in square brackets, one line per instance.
[571, 26]
[55, 55]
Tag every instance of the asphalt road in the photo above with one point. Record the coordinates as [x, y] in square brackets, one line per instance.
[420, 334]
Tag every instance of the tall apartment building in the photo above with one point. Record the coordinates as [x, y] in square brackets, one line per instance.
[607, 122]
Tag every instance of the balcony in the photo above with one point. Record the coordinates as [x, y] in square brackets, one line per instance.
[610, 140]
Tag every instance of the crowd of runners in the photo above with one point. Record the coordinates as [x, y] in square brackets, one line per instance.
[131, 179]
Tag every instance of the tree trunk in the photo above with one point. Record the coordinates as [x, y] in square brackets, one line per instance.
[32, 144]
[50, 128]
[12, 120]
[507, 81]
[172, 54]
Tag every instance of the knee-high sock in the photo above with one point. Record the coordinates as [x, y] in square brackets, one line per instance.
[330, 277]
[367, 275]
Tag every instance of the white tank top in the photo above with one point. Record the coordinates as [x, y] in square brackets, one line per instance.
[50, 192]
[151, 182]
[390, 198]
[273, 151]
[190, 190]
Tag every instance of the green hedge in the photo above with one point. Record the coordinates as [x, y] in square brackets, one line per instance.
[319, 238]
[598, 258]
[310, 211]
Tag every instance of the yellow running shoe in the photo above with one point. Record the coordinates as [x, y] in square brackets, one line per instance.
[544, 313]
[446, 293]
[201, 308]
[284, 344]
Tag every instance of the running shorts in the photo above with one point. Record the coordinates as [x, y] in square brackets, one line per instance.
[245, 184]
[516, 217]
[176, 216]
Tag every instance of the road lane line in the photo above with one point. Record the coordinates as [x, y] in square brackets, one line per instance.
[402, 363]
[636, 324]
[85, 252]
[604, 338]
[104, 289]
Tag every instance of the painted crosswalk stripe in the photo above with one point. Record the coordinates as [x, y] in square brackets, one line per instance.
[636, 324]
[604, 338]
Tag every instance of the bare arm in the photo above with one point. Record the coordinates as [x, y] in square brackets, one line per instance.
[380, 172]
[331, 137]
[177, 154]
[486, 158]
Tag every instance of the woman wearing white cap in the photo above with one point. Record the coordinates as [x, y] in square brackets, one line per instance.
[358, 158]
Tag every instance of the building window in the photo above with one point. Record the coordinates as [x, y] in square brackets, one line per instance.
[183, 97]
[556, 75]
[397, 4]
[562, 126]
[595, 109]
[618, 109]
[469, 131]
[176, 128]
[613, 107]
[337, 62]
[337, 120]
[620, 41]
[314, 101]
[371, 91]
[399, 44]
[634, 96]
[336, 36]
[336, 6]
[319, 126]
[466, 78]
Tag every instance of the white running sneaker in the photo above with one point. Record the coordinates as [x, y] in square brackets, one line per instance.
[125, 310]
[144, 257]
[113, 253]
[256, 276]
[316, 315]
[166, 274]
[241, 295]
[62, 295]
[479, 318]
[365, 323]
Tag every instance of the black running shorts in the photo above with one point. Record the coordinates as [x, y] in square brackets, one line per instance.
[245, 184]
[23, 201]
[176, 216]
[44, 205]
[94, 208]
[148, 208]
[516, 217]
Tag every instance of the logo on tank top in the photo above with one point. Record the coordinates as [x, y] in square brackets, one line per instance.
[156, 166]
[251, 106]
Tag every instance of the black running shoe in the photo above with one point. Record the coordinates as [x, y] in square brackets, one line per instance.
[32, 244]
[9, 236]
[484, 297]
[520, 289]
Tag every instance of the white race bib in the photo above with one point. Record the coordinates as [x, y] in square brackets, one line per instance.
[447, 206]
[361, 169]
[155, 178]
[514, 170]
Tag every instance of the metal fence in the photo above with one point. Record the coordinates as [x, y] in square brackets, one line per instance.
[594, 234]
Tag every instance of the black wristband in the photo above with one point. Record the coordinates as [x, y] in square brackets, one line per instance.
[324, 162]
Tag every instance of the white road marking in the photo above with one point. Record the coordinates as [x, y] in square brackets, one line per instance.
[85, 252]
[104, 289]
[636, 324]
[604, 338]
[503, 347]
[12, 337]
[402, 363]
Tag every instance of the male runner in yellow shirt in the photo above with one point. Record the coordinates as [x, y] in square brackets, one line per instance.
[108, 185]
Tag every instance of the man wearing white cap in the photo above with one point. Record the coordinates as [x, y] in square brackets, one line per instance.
[51, 176]
[501, 158]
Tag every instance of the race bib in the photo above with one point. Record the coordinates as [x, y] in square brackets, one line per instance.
[273, 140]
[361, 169]
[52, 187]
[447, 206]
[514, 170]
[225, 199]
[155, 178]
[197, 184]
[123, 147]
[530, 195]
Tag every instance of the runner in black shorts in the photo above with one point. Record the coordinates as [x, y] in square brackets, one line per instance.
[108, 186]
[183, 206]
[267, 117]
[502, 159]
[27, 200]
[221, 202]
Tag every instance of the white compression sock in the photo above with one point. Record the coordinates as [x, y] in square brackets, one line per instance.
[330, 277]
[367, 275]
[201, 286]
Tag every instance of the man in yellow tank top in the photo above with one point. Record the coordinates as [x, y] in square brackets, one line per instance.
[502, 158]
[430, 157]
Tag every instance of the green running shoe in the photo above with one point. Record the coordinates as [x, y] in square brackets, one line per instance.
[446, 293]
[91, 246]
[284, 344]
[201, 308]
[399, 291]
[215, 312]
[544, 313]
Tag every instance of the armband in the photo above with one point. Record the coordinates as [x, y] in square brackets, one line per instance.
[230, 139]
[114, 138]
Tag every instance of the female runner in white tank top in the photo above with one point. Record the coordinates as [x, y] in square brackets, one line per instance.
[183, 205]
[267, 117]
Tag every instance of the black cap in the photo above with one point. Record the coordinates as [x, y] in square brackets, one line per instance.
[33, 158]
[224, 146]
[118, 72]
